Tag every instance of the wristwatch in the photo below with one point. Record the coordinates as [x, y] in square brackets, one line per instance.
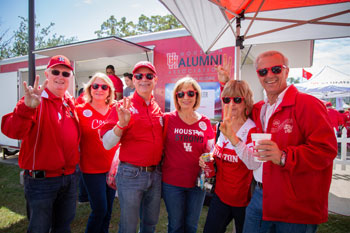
[283, 159]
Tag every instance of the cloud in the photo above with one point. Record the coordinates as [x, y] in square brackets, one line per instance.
[87, 2]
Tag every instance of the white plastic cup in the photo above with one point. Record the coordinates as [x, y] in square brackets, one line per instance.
[256, 137]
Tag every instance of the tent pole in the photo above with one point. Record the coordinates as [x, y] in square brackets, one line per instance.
[238, 49]
[31, 43]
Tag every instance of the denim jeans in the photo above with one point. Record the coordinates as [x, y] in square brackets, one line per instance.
[101, 198]
[139, 194]
[254, 223]
[83, 195]
[221, 214]
[52, 203]
[184, 206]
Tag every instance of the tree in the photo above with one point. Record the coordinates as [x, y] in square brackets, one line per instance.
[42, 39]
[292, 80]
[4, 44]
[122, 28]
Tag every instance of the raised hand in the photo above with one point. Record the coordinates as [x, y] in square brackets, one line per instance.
[224, 70]
[32, 95]
[226, 126]
[124, 112]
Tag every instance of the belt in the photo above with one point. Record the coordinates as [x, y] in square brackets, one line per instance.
[41, 174]
[142, 169]
[37, 174]
[260, 185]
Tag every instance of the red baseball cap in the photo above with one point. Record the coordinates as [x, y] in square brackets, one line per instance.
[59, 60]
[144, 64]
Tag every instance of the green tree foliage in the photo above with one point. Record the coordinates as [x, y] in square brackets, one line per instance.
[4, 44]
[122, 28]
[292, 80]
[43, 39]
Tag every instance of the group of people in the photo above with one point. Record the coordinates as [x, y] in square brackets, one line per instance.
[284, 190]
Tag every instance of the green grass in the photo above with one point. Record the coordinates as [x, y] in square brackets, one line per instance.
[13, 211]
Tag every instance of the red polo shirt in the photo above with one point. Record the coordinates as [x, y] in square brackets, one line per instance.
[141, 143]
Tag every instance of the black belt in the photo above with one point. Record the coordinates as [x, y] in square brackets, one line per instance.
[142, 169]
[36, 174]
[260, 185]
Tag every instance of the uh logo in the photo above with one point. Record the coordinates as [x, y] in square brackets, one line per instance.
[172, 60]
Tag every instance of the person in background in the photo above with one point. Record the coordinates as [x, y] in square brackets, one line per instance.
[188, 135]
[137, 123]
[294, 181]
[118, 84]
[130, 88]
[46, 122]
[95, 160]
[234, 160]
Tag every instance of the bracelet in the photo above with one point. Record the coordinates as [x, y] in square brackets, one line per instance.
[122, 128]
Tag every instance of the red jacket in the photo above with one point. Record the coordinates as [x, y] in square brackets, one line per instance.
[298, 192]
[50, 134]
[141, 143]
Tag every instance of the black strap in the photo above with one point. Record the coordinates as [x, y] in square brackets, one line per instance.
[217, 132]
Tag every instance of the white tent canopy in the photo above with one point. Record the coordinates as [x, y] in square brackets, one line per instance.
[329, 83]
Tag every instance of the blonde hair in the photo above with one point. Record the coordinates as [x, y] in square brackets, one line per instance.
[234, 88]
[179, 84]
[104, 77]
[269, 54]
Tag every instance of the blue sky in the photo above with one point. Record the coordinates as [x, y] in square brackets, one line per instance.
[80, 18]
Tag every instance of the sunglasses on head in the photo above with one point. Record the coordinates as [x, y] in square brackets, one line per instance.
[139, 76]
[95, 86]
[236, 99]
[64, 73]
[181, 94]
[274, 69]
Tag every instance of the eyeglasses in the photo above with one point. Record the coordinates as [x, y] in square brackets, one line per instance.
[236, 99]
[64, 73]
[95, 86]
[274, 69]
[139, 76]
[181, 94]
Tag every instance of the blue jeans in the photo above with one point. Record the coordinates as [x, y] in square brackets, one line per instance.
[184, 206]
[221, 214]
[83, 195]
[139, 194]
[101, 198]
[254, 223]
[52, 203]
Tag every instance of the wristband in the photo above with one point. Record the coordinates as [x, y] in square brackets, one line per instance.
[122, 128]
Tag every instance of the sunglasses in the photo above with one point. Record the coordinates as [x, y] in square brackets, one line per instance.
[181, 94]
[274, 69]
[64, 73]
[104, 87]
[236, 99]
[139, 76]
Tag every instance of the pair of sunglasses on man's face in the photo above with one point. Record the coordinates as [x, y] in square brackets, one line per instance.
[274, 69]
[182, 94]
[64, 73]
[139, 76]
[236, 99]
[95, 86]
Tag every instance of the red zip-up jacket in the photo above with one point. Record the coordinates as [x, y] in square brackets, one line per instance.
[50, 134]
[298, 192]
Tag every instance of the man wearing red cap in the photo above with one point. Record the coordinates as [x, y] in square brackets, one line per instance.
[46, 122]
[137, 124]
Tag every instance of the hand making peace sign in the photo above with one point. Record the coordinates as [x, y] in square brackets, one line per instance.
[32, 95]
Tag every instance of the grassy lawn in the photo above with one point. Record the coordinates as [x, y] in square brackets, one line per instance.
[13, 211]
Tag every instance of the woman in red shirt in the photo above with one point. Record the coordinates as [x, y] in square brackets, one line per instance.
[95, 160]
[234, 161]
[188, 135]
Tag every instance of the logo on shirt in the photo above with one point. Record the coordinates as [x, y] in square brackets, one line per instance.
[286, 126]
[202, 125]
[133, 110]
[87, 113]
[95, 124]
[188, 147]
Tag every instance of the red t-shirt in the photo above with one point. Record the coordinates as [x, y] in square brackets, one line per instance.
[118, 84]
[184, 144]
[233, 178]
[141, 143]
[94, 158]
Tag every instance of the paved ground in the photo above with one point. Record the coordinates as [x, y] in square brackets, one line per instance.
[339, 195]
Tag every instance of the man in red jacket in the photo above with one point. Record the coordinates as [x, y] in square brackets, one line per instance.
[118, 84]
[45, 120]
[294, 180]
